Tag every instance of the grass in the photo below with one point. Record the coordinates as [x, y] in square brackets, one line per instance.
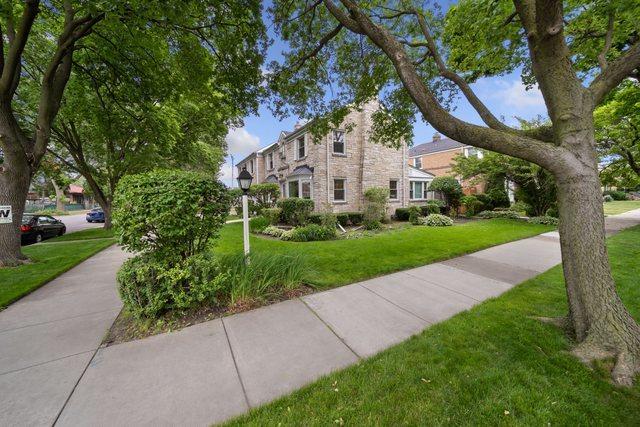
[88, 234]
[339, 262]
[48, 261]
[492, 365]
[620, 206]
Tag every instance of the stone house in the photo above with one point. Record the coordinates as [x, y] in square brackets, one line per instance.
[336, 169]
[437, 157]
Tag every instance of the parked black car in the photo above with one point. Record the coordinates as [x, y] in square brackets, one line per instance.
[36, 228]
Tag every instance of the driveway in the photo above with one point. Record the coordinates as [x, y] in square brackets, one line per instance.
[77, 222]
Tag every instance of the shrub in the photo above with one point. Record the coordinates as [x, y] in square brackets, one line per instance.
[235, 197]
[273, 231]
[472, 205]
[356, 218]
[375, 205]
[414, 215]
[171, 213]
[436, 220]
[266, 275]
[286, 234]
[498, 197]
[315, 218]
[402, 214]
[149, 287]
[520, 207]
[295, 211]
[343, 219]
[546, 220]
[553, 212]
[429, 208]
[312, 232]
[450, 187]
[498, 214]
[616, 195]
[607, 198]
[264, 196]
[272, 215]
[258, 224]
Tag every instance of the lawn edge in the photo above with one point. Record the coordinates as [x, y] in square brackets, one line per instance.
[4, 306]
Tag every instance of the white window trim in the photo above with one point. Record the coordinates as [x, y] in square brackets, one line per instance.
[344, 142]
[425, 190]
[270, 163]
[415, 162]
[333, 191]
[300, 180]
[302, 138]
[397, 181]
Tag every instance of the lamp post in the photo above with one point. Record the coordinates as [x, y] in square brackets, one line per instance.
[244, 182]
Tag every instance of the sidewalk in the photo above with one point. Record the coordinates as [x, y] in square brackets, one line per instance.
[213, 371]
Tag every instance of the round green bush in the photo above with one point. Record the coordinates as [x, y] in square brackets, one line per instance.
[295, 211]
[402, 214]
[607, 198]
[414, 215]
[436, 220]
[272, 215]
[546, 220]
[150, 287]
[171, 213]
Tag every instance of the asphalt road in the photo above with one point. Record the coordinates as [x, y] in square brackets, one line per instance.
[77, 222]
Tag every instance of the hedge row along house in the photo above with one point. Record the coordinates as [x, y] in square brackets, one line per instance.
[336, 170]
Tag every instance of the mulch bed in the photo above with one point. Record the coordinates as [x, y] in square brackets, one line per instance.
[126, 328]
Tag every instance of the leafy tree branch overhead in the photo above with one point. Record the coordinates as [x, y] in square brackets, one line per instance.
[416, 57]
[171, 74]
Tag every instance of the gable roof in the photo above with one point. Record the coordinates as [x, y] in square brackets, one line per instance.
[414, 172]
[435, 146]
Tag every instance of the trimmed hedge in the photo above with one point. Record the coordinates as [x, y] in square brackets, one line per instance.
[498, 214]
[545, 220]
[311, 233]
[402, 214]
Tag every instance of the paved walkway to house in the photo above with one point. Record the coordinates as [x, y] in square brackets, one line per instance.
[52, 370]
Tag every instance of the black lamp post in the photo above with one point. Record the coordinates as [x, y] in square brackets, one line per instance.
[244, 182]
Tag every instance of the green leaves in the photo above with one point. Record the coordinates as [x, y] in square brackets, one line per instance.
[168, 213]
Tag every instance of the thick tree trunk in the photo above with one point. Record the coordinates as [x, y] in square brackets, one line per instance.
[59, 195]
[602, 325]
[107, 214]
[15, 176]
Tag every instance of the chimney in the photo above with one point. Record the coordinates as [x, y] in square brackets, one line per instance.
[436, 137]
[297, 126]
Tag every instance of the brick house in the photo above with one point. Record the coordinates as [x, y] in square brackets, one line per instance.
[437, 157]
[336, 169]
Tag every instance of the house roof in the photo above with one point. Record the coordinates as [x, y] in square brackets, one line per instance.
[420, 173]
[301, 170]
[434, 146]
[75, 189]
[271, 179]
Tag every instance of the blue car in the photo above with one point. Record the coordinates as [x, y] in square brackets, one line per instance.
[95, 215]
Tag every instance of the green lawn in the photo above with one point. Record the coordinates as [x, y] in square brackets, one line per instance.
[91, 233]
[339, 262]
[49, 260]
[620, 206]
[492, 365]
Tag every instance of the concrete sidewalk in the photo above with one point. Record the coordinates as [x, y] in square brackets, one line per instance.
[210, 372]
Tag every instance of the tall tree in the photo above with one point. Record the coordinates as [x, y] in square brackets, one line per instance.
[38, 53]
[617, 124]
[416, 57]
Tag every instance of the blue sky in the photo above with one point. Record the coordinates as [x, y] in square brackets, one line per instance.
[505, 96]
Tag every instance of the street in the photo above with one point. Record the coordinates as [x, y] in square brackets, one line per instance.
[77, 222]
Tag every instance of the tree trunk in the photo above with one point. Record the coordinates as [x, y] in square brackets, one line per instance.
[602, 325]
[107, 214]
[15, 176]
[59, 195]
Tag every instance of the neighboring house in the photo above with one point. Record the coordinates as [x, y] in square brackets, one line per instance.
[337, 169]
[438, 157]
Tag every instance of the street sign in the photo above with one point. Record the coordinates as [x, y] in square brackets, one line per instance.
[6, 216]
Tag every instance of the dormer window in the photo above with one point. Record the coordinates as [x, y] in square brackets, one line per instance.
[338, 142]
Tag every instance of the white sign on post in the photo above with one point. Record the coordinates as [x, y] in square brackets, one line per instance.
[5, 215]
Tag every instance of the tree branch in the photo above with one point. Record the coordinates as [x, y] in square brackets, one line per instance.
[608, 40]
[615, 73]
[445, 72]
[17, 42]
[322, 43]
[541, 153]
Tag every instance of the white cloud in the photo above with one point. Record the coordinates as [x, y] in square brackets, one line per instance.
[514, 94]
[240, 142]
